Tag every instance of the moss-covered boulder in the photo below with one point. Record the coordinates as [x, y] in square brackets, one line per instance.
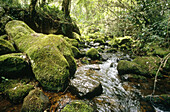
[6, 47]
[77, 106]
[18, 93]
[16, 89]
[76, 52]
[13, 65]
[121, 42]
[51, 56]
[146, 66]
[73, 42]
[35, 101]
[93, 54]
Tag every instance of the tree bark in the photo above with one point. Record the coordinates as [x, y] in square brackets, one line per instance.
[32, 8]
[66, 4]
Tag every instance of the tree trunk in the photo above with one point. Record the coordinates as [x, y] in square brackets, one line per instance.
[66, 8]
[32, 8]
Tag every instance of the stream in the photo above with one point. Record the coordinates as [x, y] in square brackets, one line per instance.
[114, 97]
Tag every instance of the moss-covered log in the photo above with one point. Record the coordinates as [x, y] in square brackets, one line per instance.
[51, 56]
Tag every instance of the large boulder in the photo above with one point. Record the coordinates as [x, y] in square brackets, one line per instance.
[13, 65]
[146, 66]
[78, 106]
[51, 56]
[6, 47]
[35, 101]
[93, 54]
[84, 86]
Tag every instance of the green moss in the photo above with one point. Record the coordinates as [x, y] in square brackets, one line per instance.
[15, 26]
[17, 94]
[99, 40]
[13, 65]
[93, 54]
[4, 37]
[149, 65]
[16, 89]
[77, 106]
[76, 52]
[6, 47]
[73, 42]
[35, 101]
[161, 52]
[127, 67]
[121, 42]
[146, 66]
[51, 55]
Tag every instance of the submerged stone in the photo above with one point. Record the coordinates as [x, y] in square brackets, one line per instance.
[35, 101]
[13, 65]
[77, 106]
[51, 56]
[85, 87]
[6, 47]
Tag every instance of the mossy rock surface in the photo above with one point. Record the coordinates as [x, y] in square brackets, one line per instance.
[121, 42]
[13, 65]
[6, 47]
[51, 55]
[17, 94]
[16, 89]
[76, 52]
[93, 54]
[146, 66]
[73, 42]
[35, 101]
[77, 106]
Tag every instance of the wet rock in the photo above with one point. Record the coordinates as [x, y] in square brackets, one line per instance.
[94, 68]
[51, 56]
[13, 65]
[93, 54]
[77, 106]
[35, 101]
[85, 87]
[105, 56]
[6, 47]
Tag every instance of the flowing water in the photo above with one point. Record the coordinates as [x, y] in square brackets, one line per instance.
[114, 97]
